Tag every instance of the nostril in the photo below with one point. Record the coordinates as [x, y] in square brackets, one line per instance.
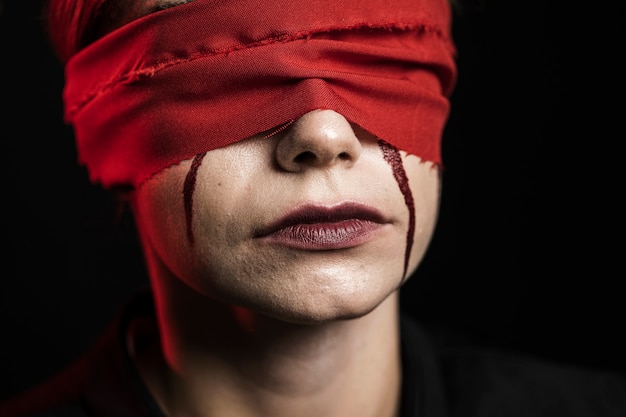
[344, 156]
[306, 157]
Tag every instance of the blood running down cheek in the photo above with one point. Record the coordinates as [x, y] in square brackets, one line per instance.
[391, 156]
[188, 191]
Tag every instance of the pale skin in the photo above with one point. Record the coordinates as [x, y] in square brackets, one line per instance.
[250, 326]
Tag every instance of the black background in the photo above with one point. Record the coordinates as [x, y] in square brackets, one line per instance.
[528, 249]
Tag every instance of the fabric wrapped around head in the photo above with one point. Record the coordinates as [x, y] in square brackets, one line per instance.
[206, 74]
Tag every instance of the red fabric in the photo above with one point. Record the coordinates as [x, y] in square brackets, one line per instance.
[212, 72]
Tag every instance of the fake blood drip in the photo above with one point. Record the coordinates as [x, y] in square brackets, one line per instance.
[188, 189]
[190, 181]
[392, 156]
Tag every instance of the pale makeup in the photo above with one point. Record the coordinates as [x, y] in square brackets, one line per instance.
[320, 162]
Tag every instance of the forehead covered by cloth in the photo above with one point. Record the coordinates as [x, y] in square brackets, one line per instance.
[209, 73]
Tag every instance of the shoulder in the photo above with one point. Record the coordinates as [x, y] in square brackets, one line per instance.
[69, 392]
[482, 381]
[56, 397]
[67, 410]
[502, 383]
[103, 381]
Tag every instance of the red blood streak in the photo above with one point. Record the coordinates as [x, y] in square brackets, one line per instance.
[392, 156]
[188, 189]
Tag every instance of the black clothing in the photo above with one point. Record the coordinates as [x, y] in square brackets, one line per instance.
[438, 381]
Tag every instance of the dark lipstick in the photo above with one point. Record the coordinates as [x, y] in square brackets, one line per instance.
[313, 227]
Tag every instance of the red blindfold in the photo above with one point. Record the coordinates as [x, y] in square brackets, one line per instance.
[210, 73]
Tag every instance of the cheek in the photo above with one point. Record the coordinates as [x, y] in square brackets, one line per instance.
[188, 213]
[160, 215]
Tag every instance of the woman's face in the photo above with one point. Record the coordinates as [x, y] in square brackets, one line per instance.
[308, 224]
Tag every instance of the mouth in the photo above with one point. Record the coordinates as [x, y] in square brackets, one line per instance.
[313, 227]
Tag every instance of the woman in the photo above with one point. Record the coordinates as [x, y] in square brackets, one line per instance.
[282, 163]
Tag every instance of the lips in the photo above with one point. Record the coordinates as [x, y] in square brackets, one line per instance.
[314, 227]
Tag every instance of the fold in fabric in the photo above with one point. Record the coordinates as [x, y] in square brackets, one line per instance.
[209, 73]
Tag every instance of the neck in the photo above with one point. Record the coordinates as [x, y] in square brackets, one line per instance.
[215, 360]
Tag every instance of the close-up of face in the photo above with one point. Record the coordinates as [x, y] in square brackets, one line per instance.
[290, 169]
[315, 221]
[285, 207]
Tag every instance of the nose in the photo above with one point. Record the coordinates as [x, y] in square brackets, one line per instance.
[321, 139]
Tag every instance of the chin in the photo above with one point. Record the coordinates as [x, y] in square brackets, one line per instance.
[306, 293]
[308, 309]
